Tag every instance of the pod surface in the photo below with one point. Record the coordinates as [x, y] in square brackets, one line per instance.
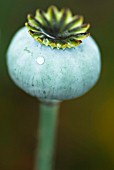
[53, 73]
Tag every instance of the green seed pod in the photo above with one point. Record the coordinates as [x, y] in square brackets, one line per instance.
[51, 63]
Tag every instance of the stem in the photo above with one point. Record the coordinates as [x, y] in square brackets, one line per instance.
[47, 134]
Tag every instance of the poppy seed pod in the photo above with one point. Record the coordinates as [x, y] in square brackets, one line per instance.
[51, 63]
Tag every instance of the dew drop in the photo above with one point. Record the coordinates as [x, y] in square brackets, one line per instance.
[40, 60]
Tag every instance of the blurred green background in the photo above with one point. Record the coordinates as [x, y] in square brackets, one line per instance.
[85, 138]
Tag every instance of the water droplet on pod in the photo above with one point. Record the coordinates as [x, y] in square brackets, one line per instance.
[40, 60]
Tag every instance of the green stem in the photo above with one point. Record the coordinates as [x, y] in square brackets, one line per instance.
[47, 133]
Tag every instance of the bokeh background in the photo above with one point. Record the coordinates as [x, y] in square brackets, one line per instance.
[85, 138]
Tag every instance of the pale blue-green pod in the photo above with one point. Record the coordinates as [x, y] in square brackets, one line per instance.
[53, 74]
